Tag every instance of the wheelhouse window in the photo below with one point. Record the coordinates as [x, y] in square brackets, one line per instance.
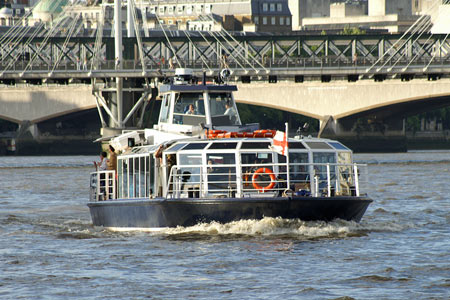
[223, 109]
[189, 109]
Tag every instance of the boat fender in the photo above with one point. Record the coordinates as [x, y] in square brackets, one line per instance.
[272, 179]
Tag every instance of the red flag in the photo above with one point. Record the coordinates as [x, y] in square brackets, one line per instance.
[280, 143]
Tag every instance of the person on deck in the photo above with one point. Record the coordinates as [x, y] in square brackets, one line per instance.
[112, 162]
[191, 110]
[102, 164]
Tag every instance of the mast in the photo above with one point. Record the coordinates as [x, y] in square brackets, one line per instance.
[130, 20]
[118, 58]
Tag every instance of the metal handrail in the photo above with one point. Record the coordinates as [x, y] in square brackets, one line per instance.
[102, 186]
[317, 179]
[314, 62]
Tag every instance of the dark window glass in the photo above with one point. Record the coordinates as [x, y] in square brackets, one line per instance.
[195, 146]
[338, 146]
[296, 145]
[260, 145]
[177, 147]
[223, 146]
[318, 145]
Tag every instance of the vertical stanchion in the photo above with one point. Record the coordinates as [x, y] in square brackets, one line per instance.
[355, 171]
[328, 180]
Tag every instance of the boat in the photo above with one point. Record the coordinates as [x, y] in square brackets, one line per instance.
[200, 164]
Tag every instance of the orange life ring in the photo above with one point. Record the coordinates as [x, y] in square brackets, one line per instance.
[272, 179]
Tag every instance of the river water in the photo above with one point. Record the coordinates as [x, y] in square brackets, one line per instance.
[400, 250]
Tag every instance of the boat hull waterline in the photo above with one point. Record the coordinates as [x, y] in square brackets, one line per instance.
[159, 212]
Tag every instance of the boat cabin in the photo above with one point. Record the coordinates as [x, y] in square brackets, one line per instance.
[240, 167]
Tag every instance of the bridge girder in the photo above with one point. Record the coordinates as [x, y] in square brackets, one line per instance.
[202, 51]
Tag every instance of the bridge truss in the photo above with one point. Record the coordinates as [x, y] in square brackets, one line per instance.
[245, 54]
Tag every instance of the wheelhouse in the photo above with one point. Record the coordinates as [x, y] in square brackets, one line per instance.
[184, 109]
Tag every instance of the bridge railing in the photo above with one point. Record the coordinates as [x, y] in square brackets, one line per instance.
[324, 62]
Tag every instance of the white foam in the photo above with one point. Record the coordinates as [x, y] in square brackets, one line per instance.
[275, 227]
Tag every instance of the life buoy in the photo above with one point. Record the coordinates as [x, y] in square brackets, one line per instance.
[272, 179]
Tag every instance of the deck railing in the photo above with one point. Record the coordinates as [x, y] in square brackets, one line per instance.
[102, 186]
[261, 180]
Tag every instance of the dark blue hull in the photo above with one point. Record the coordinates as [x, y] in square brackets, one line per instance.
[154, 213]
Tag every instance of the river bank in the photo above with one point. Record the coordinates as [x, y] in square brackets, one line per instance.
[84, 145]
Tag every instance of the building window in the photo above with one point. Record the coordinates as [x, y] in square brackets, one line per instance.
[288, 21]
[170, 10]
[273, 21]
[208, 8]
[170, 22]
[180, 9]
[199, 9]
[190, 8]
[279, 7]
[272, 6]
[281, 20]
[265, 8]
[152, 9]
[161, 10]
[264, 20]
[256, 20]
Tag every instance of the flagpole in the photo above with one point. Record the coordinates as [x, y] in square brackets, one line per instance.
[287, 157]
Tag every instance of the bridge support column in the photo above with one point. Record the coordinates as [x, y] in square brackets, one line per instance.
[327, 127]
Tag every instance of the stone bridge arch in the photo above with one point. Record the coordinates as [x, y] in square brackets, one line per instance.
[342, 101]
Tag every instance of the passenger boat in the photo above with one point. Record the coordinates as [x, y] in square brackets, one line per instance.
[200, 164]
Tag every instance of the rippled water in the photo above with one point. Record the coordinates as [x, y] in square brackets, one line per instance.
[400, 250]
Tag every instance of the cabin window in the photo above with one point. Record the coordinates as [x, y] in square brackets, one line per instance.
[298, 170]
[195, 146]
[344, 169]
[318, 145]
[250, 163]
[338, 146]
[189, 109]
[298, 167]
[223, 146]
[221, 170]
[296, 145]
[223, 110]
[324, 158]
[177, 147]
[259, 145]
[189, 165]
[135, 177]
